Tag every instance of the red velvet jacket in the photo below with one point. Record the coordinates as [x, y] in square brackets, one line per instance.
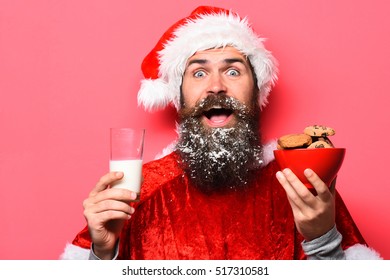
[173, 220]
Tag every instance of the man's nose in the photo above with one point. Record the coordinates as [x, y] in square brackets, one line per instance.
[216, 85]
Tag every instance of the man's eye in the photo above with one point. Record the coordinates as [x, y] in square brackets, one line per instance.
[233, 72]
[199, 74]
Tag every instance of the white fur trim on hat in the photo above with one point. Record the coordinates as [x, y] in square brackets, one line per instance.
[154, 94]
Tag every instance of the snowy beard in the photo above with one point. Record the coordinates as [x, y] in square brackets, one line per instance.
[221, 158]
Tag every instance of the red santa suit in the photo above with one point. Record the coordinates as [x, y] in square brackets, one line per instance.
[174, 220]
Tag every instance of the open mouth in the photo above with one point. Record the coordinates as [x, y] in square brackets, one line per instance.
[218, 117]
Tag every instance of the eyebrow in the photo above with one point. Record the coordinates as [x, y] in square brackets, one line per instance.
[226, 61]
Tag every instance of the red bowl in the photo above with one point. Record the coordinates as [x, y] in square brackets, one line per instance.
[325, 162]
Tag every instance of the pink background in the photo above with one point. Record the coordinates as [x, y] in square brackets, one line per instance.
[70, 70]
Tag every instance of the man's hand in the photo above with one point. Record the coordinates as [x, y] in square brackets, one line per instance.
[314, 215]
[105, 210]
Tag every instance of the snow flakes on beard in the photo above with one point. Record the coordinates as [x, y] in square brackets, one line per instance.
[219, 158]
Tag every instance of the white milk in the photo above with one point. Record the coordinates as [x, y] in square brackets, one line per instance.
[132, 170]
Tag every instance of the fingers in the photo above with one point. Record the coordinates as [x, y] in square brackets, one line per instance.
[292, 184]
[313, 215]
[105, 181]
[112, 194]
[300, 197]
[106, 203]
[100, 192]
[295, 189]
[110, 205]
[115, 199]
[323, 191]
[106, 210]
[332, 187]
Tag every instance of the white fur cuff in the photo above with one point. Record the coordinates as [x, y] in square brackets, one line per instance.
[73, 252]
[355, 252]
[361, 252]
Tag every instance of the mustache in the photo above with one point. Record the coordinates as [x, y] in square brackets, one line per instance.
[215, 102]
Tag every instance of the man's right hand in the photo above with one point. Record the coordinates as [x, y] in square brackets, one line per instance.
[106, 209]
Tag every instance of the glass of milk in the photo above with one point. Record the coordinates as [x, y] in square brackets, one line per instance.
[126, 151]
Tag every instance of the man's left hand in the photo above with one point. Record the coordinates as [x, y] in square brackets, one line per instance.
[314, 215]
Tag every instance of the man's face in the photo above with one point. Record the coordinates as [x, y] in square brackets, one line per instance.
[223, 71]
[219, 140]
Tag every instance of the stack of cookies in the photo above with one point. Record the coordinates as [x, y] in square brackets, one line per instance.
[313, 137]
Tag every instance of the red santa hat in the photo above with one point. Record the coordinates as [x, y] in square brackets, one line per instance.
[205, 28]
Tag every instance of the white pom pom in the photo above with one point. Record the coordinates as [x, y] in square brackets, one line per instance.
[154, 94]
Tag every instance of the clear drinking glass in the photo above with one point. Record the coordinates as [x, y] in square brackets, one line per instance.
[126, 154]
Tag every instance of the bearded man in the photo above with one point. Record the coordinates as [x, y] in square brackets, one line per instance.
[218, 195]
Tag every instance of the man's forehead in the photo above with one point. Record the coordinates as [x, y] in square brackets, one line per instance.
[223, 53]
